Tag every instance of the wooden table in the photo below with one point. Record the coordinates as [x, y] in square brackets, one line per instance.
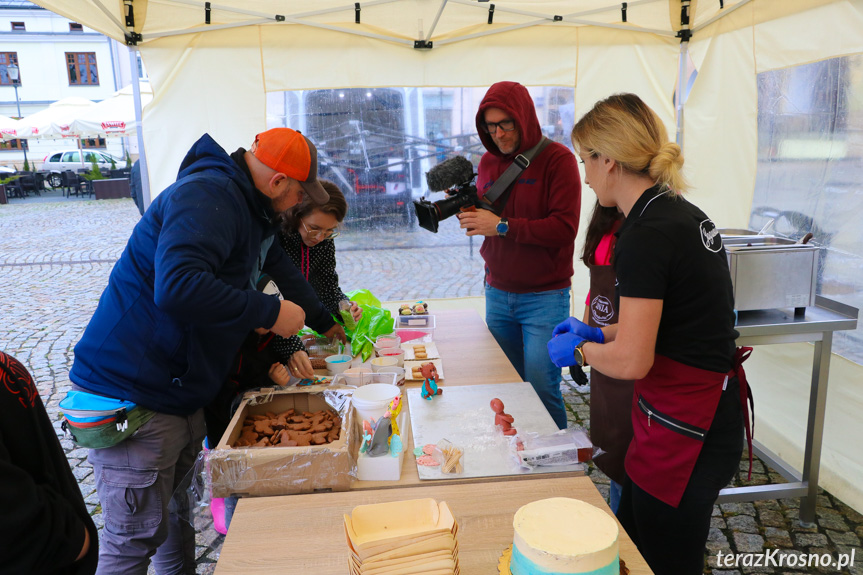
[305, 534]
[470, 353]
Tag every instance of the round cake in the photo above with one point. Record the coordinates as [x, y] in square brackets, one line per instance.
[562, 536]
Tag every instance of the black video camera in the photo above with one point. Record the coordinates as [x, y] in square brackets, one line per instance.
[454, 175]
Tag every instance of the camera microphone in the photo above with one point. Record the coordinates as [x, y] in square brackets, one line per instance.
[449, 173]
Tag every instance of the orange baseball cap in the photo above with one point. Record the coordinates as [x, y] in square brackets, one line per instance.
[291, 153]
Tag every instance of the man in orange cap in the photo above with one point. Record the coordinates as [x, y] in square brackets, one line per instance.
[179, 303]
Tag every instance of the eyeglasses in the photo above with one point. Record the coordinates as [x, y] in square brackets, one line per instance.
[505, 125]
[316, 233]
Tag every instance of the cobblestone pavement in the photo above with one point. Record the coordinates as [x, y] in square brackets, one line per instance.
[55, 258]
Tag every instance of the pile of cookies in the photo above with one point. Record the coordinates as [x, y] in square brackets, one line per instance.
[420, 352]
[290, 429]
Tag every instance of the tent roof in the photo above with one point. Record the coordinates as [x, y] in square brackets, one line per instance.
[398, 21]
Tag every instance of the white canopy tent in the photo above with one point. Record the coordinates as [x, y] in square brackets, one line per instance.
[211, 65]
[112, 117]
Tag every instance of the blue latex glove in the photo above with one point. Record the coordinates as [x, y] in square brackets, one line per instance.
[579, 328]
[561, 349]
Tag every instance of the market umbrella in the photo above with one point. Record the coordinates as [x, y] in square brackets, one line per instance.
[55, 121]
[112, 117]
[9, 128]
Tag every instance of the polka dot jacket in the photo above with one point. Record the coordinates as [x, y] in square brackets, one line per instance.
[318, 265]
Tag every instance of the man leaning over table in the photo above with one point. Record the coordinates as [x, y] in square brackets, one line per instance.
[179, 302]
[528, 249]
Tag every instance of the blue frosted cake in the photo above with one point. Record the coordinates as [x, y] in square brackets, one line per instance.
[561, 536]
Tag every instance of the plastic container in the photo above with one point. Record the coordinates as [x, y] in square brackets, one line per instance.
[357, 376]
[386, 467]
[367, 379]
[450, 457]
[398, 372]
[379, 363]
[371, 401]
[387, 340]
[412, 321]
[395, 352]
[345, 313]
[337, 363]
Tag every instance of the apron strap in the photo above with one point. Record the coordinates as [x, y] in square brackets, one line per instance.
[741, 355]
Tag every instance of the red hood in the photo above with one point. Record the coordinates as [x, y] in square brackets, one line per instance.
[514, 99]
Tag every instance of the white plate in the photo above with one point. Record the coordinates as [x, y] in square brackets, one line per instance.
[431, 350]
[409, 365]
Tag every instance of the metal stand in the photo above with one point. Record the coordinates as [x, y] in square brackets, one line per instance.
[777, 326]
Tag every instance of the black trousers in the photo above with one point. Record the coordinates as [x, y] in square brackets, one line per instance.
[672, 539]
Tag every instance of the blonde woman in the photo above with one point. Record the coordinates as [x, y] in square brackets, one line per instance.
[675, 336]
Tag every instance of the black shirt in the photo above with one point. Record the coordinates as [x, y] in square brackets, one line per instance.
[42, 512]
[669, 249]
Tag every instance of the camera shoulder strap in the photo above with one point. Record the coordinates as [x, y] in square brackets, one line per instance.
[503, 184]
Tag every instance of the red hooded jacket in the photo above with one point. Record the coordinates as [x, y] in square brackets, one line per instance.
[543, 207]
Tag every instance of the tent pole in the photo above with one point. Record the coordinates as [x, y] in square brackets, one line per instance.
[683, 64]
[139, 128]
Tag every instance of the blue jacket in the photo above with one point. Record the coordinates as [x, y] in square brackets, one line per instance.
[179, 301]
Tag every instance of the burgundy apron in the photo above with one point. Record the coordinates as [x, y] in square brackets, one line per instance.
[610, 398]
[672, 410]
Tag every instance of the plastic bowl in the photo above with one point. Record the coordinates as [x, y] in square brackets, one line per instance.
[338, 363]
[387, 340]
[379, 363]
[357, 376]
[371, 401]
[395, 352]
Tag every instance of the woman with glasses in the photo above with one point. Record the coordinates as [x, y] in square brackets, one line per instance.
[306, 236]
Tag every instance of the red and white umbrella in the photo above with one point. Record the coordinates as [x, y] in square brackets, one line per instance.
[112, 117]
[55, 121]
[8, 128]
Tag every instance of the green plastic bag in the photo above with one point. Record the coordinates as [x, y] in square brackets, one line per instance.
[375, 321]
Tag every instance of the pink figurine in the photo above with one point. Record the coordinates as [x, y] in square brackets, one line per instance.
[504, 420]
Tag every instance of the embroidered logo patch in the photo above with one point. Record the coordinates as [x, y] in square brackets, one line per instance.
[710, 236]
[601, 309]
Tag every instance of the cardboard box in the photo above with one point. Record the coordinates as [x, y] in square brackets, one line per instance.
[265, 471]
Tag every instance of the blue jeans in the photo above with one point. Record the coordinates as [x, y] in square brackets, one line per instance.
[522, 324]
[614, 491]
[135, 480]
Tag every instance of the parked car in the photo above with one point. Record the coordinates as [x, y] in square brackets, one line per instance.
[6, 171]
[59, 160]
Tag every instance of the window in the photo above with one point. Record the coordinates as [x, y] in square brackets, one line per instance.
[81, 67]
[75, 27]
[377, 144]
[808, 177]
[19, 26]
[93, 143]
[71, 157]
[14, 145]
[7, 59]
[56, 157]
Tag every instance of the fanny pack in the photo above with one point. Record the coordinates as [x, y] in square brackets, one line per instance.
[95, 421]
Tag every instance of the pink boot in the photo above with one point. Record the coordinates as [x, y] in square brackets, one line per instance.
[217, 507]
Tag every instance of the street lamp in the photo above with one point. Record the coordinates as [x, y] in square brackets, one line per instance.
[12, 70]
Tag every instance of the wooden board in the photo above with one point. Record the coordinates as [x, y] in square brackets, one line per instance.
[463, 416]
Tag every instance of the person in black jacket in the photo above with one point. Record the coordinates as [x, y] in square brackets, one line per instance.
[45, 529]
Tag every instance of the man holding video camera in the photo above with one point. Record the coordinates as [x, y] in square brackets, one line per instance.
[529, 237]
